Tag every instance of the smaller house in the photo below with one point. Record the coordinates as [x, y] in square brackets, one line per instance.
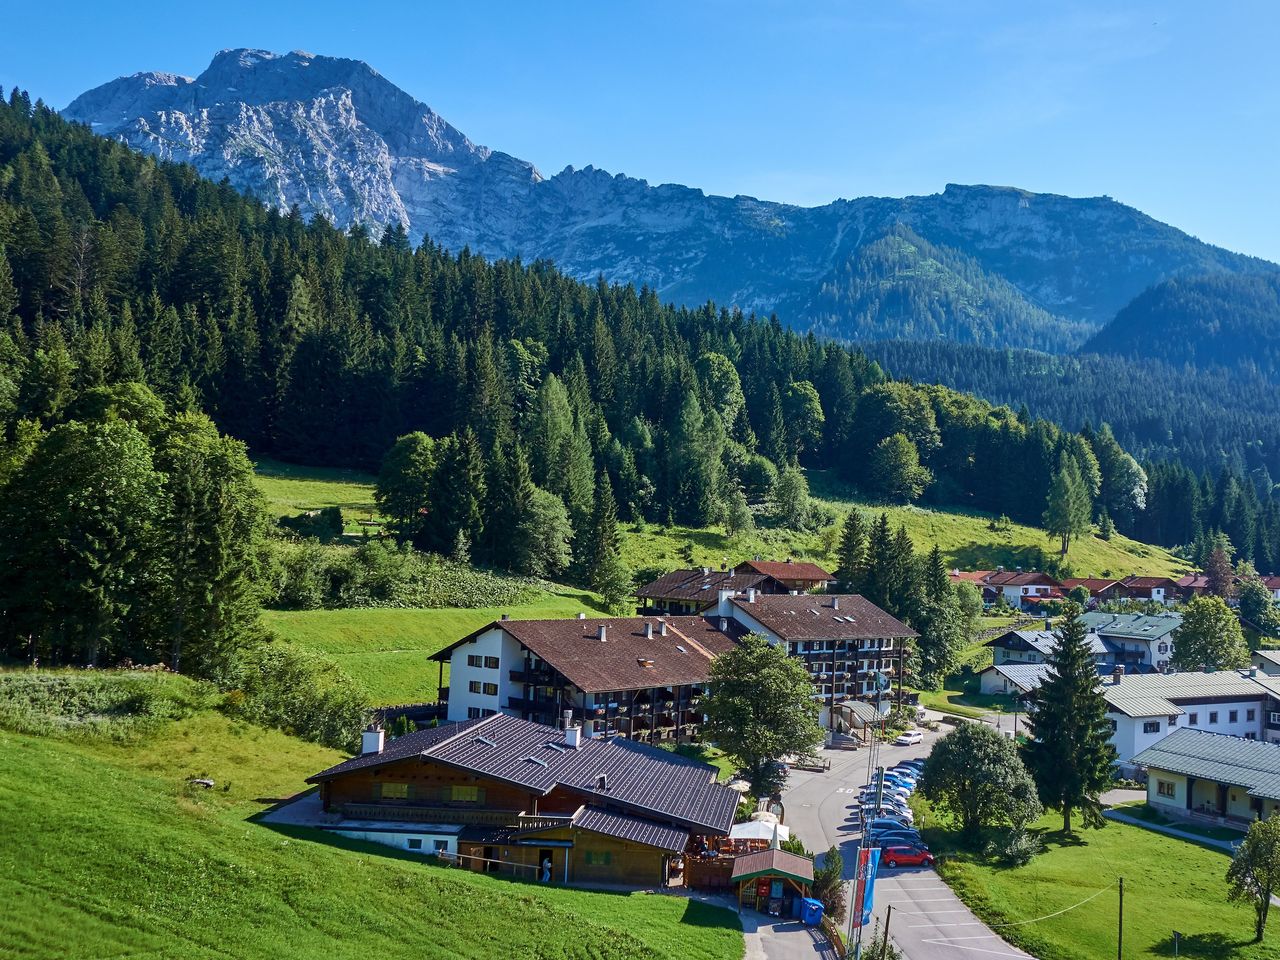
[1099, 588]
[1272, 583]
[1141, 643]
[1192, 585]
[1022, 590]
[1155, 589]
[1036, 646]
[696, 591]
[1268, 661]
[1017, 680]
[796, 575]
[1194, 774]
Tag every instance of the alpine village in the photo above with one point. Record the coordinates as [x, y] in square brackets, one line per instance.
[404, 553]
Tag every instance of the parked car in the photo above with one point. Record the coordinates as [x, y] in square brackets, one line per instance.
[906, 857]
[887, 823]
[897, 840]
[909, 738]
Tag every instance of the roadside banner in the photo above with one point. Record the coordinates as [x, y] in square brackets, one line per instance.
[865, 886]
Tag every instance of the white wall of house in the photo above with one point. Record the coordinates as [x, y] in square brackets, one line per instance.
[1165, 789]
[494, 642]
[1132, 735]
[414, 841]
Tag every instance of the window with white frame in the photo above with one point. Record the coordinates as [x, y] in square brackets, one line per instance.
[1151, 726]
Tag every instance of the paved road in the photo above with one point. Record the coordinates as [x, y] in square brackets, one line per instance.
[929, 922]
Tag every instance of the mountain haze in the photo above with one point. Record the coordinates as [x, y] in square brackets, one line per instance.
[993, 265]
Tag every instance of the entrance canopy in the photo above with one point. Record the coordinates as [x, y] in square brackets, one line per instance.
[773, 863]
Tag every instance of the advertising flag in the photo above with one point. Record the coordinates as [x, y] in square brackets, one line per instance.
[865, 886]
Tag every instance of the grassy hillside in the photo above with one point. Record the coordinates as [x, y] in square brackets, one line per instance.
[1168, 884]
[387, 650]
[292, 489]
[119, 856]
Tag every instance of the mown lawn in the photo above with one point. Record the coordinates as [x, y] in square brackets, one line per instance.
[1168, 884]
[108, 853]
[387, 649]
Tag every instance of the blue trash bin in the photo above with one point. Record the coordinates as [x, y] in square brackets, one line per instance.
[811, 912]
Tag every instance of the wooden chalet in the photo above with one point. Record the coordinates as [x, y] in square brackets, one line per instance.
[696, 591]
[770, 876]
[506, 795]
[800, 576]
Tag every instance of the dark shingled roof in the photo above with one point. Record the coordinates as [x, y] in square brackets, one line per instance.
[785, 569]
[622, 660]
[813, 617]
[648, 780]
[632, 828]
[703, 587]
[773, 862]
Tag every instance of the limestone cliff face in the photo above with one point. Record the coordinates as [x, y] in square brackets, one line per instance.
[336, 139]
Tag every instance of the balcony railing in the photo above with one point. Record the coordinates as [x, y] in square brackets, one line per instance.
[413, 813]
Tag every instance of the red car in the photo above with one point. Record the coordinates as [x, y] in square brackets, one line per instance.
[906, 857]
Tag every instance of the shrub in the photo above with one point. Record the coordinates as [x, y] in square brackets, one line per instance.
[301, 693]
[1015, 849]
[324, 525]
[115, 705]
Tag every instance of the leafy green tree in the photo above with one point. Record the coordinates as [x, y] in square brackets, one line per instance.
[1209, 637]
[896, 474]
[78, 543]
[789, 499]
[1254, 874]
[1257, 607]
[760, 709]
[802, 408]
[1069, 506]
[403, 487]
[542, 536]
[1070, 754]
[975, 776]
[723, 387]
[737, 514]
[851, 552]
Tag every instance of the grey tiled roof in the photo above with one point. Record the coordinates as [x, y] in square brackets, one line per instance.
[1132, 626]
[1027, 676]
[1251, 764]
[632, 828]
[647, 780]
[1158, 694]
[1044, 641]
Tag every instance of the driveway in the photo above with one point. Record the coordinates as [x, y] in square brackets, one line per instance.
[929, 922]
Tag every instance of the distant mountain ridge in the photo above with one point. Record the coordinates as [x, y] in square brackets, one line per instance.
[992, 265]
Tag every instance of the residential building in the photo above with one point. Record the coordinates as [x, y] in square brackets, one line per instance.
[1192, 585]
[850, 646]
[641, 678]
[1099, 588]
[1017, 680]
[793, 574]
[1268, 661]
[1023, 590]
[1138, 642]
[1155, 589]
[1036, 646]
[696, 591]
[506, 795]
[1195, 774]
[1146, 708]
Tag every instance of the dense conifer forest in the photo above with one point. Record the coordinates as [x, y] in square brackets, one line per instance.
[483, 392]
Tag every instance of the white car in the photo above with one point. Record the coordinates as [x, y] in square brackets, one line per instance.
[909, 738]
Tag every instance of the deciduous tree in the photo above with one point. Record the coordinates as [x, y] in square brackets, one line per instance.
[1209, 637]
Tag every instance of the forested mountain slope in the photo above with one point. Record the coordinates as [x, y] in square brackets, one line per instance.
[321, 346]
[336, 139]
[1204, 321]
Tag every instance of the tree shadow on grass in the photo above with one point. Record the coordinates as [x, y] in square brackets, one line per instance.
[1213, 945]
[714, 915]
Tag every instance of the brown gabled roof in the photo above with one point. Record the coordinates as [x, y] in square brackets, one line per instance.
[822, 617]
[626, 659]
[786, 569]
[616, 773]
[1013, 578]
[1146, 583]
[775, 862]
[971, 576]
[1092, 584]
[696, 585]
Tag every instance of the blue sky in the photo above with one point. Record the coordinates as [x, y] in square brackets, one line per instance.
[1173, 107]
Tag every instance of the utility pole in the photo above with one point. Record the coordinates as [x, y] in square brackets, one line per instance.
[888, 919]
[1120, 931]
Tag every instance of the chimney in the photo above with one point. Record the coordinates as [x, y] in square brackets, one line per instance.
[648, 631]
[602, 781]
[706, 571]
[1048, 624]
[662, 628]
[573, 737]
[588, 729]
[1253, 670]
[724, 624]
[835, 603]
[581, 615]
[1117, 673]
[751, 595]
[506, 616]
[602, 633]
[568, 719]
[372, 739]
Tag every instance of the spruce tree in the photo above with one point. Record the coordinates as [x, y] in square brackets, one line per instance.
[851, 553]
[877, 578]
[1069, 504]
[606, 573]
[1070, 754]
